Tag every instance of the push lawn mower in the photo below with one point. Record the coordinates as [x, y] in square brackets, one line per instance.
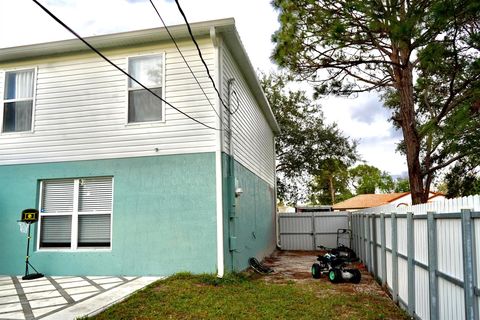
[334, 264]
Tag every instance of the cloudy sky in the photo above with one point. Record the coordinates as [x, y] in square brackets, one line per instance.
[363, 118]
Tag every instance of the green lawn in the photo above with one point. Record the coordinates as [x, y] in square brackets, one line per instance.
[246, 296]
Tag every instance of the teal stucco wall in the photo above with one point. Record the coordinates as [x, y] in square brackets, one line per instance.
[164, 217]
[253, 223]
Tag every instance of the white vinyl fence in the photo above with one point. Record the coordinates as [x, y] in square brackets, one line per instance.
[428, 255]
[307, 231]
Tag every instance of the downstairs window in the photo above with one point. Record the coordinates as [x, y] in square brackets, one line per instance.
[76, 213]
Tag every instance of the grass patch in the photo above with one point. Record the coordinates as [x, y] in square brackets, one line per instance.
[243, 296]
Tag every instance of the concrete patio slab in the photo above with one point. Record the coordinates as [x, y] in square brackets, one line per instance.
[64, 297]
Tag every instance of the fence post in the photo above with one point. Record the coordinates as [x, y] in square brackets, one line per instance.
[468, 265]
[350, 244]
[432, 264]
[369, 250]
[365, 218]
[365, 233]
[394, 257]
[384, 249]
[410, 263]
[356, 233]
[314, 240]
[362, 237]
[374, 240]
[357, 236]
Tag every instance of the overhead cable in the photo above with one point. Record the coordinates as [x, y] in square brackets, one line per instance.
[118, 68]
[200, 55]
[183, 57]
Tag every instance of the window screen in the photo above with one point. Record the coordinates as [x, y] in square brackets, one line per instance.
[18, 101]
[142, 105]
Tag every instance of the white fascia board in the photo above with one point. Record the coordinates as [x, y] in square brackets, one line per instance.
[114, 40]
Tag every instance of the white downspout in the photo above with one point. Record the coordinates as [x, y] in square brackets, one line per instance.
[218, 158]
[277, 224]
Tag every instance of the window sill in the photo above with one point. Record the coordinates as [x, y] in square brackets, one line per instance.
[17, 134]
[76, 250]
[150, 124]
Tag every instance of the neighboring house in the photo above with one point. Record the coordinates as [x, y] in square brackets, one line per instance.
[304, 209]
[125, 184]
[363, 201]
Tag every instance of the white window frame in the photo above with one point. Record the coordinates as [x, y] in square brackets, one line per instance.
[128, 89]
[3, 100]
[74, 235]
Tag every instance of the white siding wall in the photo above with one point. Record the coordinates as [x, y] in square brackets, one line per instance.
[81, 109]
[252, 135]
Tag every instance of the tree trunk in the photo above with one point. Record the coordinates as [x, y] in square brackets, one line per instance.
[404, 86]
[332, 189]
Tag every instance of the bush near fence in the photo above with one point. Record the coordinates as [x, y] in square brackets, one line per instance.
[428, 255]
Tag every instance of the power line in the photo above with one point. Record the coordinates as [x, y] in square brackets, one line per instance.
[200, 54]
[183, 57]
[117, 67]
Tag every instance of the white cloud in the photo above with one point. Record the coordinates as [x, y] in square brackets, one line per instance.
[357, 117]
[381, 154]
[364, 118]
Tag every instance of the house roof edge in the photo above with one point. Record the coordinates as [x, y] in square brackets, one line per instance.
[111, 40]
[234, 42]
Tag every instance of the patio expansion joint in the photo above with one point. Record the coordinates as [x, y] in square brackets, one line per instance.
[93, 283]
[26, 308]
[62, 291]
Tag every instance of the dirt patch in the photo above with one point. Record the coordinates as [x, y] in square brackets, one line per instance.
[160, 288]
[295, 266]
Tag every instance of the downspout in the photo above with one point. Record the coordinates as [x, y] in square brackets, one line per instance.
[231, 179]
[218, 160]
[277, 221]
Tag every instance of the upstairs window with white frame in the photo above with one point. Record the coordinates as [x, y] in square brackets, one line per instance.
[142, 105]
[76, 213]
[18, 100]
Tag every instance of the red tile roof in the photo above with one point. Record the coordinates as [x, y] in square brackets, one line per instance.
[368, 200]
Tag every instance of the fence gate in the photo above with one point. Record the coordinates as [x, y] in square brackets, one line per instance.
[307, 231]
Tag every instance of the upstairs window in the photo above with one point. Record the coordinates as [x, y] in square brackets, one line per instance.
[18, 101]
[142, 105]
[76, 213]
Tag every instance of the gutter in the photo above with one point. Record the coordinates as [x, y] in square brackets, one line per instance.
[110, 41]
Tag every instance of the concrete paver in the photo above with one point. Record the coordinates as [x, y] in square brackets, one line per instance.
[65, 297]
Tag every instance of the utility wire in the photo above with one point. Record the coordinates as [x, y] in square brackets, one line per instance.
[117, 67]
[200, 55]
[183, 57]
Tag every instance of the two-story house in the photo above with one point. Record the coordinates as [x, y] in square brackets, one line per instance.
[127, 184]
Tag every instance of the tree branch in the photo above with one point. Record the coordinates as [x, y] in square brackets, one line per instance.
[443, 165]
